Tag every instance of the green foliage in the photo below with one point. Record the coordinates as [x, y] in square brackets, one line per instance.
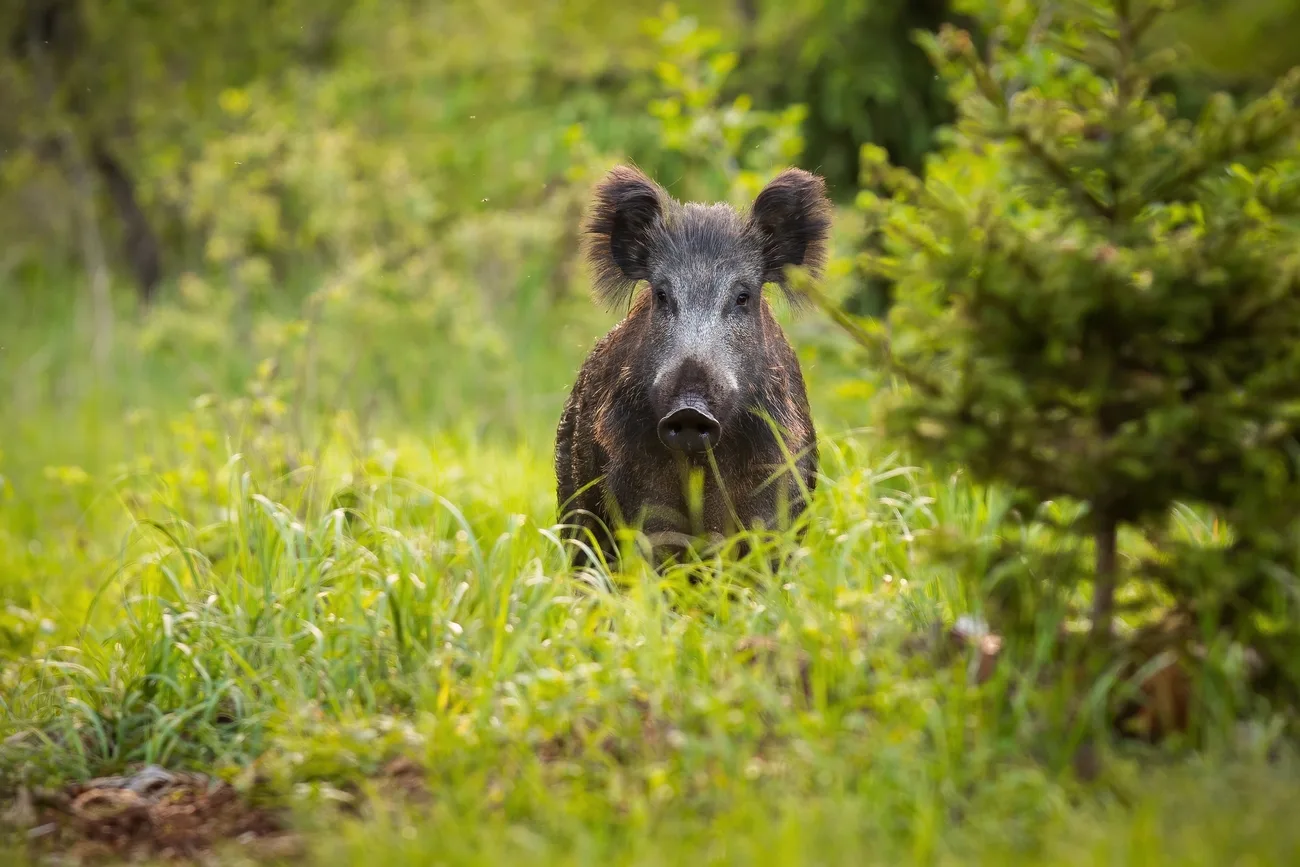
[1097, 301]
[747, 145]
[473, 100]
[69, 94]
[858, 68]
[469, 105]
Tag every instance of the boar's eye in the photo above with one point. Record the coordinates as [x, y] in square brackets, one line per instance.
[661, 296]
[742, 299]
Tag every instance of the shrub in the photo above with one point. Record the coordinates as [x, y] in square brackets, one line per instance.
[1098, 302]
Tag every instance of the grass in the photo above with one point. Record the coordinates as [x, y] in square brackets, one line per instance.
[200, 574]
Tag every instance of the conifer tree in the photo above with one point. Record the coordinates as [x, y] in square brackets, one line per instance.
[1096, 301]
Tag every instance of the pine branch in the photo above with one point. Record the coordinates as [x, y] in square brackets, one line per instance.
[1258, 137]
[1058, 171]
[871, 344]
[1139, 26]
[842, 319]
[1061, 174]
[1126, 46]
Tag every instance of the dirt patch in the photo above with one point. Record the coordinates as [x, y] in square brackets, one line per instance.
[150, 813]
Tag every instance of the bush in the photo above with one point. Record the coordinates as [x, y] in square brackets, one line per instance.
[1098, 302]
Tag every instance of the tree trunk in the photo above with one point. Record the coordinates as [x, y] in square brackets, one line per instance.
[50, 22]
[92, 252]
[139, 242]
[51, 40]
[1103, 594]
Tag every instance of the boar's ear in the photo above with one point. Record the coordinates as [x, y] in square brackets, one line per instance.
[792, 219]
[621, 229]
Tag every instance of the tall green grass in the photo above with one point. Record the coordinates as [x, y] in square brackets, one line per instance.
[193, 575]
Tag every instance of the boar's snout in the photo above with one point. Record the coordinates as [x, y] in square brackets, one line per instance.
[689, 427]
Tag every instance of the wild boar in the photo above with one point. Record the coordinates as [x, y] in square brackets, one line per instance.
[695, 375]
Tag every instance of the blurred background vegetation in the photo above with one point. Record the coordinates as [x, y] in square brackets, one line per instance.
[246, 144]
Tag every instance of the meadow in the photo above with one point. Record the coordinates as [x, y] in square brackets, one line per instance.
[198, 577]
[292, 525]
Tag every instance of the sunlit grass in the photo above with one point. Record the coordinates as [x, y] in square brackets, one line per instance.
[198, 585]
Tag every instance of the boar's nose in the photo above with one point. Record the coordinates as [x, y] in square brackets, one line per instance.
[689, 427]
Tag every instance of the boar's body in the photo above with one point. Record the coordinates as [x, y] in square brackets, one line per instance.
[602, 439]
[698, 375]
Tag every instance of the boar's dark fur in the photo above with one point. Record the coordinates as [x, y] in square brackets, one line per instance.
[697, 372]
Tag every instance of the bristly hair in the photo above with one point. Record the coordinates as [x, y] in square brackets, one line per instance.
[627, 215]
[792, 219]
[789, 223]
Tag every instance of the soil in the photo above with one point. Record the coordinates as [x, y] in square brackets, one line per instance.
[150, 813]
